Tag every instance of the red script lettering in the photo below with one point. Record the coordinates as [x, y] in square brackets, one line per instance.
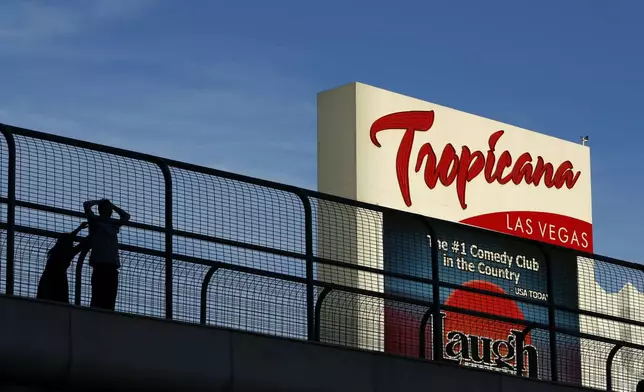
[468, 165]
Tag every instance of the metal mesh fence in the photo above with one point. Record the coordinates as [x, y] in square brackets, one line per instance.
[258, 304]
[62, 176]
[267, 258]
[237, 211]
[187, 285]
[339, 325]
[31, 254]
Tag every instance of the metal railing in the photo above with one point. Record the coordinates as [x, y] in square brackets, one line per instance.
[216, 248]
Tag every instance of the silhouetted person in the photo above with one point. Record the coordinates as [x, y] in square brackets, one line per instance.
[53, 285]
[104, 259]
[640, 386]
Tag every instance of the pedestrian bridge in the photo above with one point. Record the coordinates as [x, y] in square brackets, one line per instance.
[234, 283]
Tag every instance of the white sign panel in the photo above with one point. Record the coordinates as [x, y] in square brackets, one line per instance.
[388, 149]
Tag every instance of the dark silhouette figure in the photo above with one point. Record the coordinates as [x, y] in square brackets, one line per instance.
[53, 285]
[640, 386]
[104, 259]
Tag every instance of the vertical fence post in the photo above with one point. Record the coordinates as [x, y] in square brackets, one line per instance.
[609, 367]
[167, 177]
[11, 209]
[310, 296]
[318, 312]
[552, 323]
[437, 327]
[78, 281]
[204, 294]
[519, 358]
[422, 332]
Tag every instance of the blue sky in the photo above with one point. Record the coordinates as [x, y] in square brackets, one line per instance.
[232, 85]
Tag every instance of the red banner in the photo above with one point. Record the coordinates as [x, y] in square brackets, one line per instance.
[541, 226]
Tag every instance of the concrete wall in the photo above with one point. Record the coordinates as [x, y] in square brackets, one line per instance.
[60, 347]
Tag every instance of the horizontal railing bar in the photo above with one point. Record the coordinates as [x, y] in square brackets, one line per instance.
[53, 234]
[238, 244]
[601, 316]
[603, 339]
[159, 229]
[492, 316]
[145, 157]
[161, 254]
[363, 268]
[375, 294]
[239, 268]
[78, 214]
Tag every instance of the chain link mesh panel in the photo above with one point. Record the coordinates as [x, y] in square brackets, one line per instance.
[237, 211]
[63, 176]
[257, 304]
